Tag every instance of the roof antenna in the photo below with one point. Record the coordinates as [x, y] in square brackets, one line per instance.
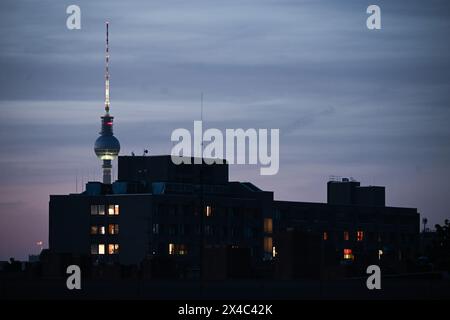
[201, 107]
[201, 115]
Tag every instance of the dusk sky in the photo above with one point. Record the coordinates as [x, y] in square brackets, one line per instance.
[351, 102]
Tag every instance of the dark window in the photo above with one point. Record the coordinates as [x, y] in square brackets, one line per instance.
[172, 230]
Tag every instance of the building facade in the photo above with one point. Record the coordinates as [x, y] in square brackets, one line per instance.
[159, 209]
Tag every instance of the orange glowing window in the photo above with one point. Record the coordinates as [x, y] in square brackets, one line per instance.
[325, 236]
[346, 236]
[113, 229]
[268, 245]
[359, 236]
[208, 211]
[268, 225]
[94, 230]
[113, 249]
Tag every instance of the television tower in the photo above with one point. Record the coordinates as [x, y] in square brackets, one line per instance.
[107, 146]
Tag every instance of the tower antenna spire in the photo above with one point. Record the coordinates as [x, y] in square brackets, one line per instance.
[107, 69]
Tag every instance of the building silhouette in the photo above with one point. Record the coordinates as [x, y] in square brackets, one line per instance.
[192, 215]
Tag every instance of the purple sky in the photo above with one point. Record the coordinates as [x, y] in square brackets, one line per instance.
[348, 101]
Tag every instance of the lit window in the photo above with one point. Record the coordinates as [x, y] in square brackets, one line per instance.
[97, 209]
[94, 249]
[208, 211]
[181, 249]
[268, 225]
[348, 254]
[113, 210]
[380, 254]
[325, 236]
[268, 245]
[101, 230]
[346, 236]
[94, 229]
[113, 249]
[359, 236]
[177, 249]
[274, 252]
[101, 249]
[113, 229]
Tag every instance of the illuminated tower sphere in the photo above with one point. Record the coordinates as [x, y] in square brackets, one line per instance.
[107, 146]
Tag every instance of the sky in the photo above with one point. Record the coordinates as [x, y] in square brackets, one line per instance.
[350, 102]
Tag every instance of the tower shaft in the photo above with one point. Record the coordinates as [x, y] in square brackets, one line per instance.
[107, 170]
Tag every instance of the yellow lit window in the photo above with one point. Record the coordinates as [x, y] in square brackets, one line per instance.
[101, 249]
[113, 210]
[209, 211]
[359, 236]
[268, 245]
[348, 254]
[274, 252]
[101, 230]
[177, 249]
[113, 229]
[113, 249]
[346, 236]
[268, 225]
[325, 236]
[94, 229]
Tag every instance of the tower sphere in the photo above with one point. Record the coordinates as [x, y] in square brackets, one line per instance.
[107, 147]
